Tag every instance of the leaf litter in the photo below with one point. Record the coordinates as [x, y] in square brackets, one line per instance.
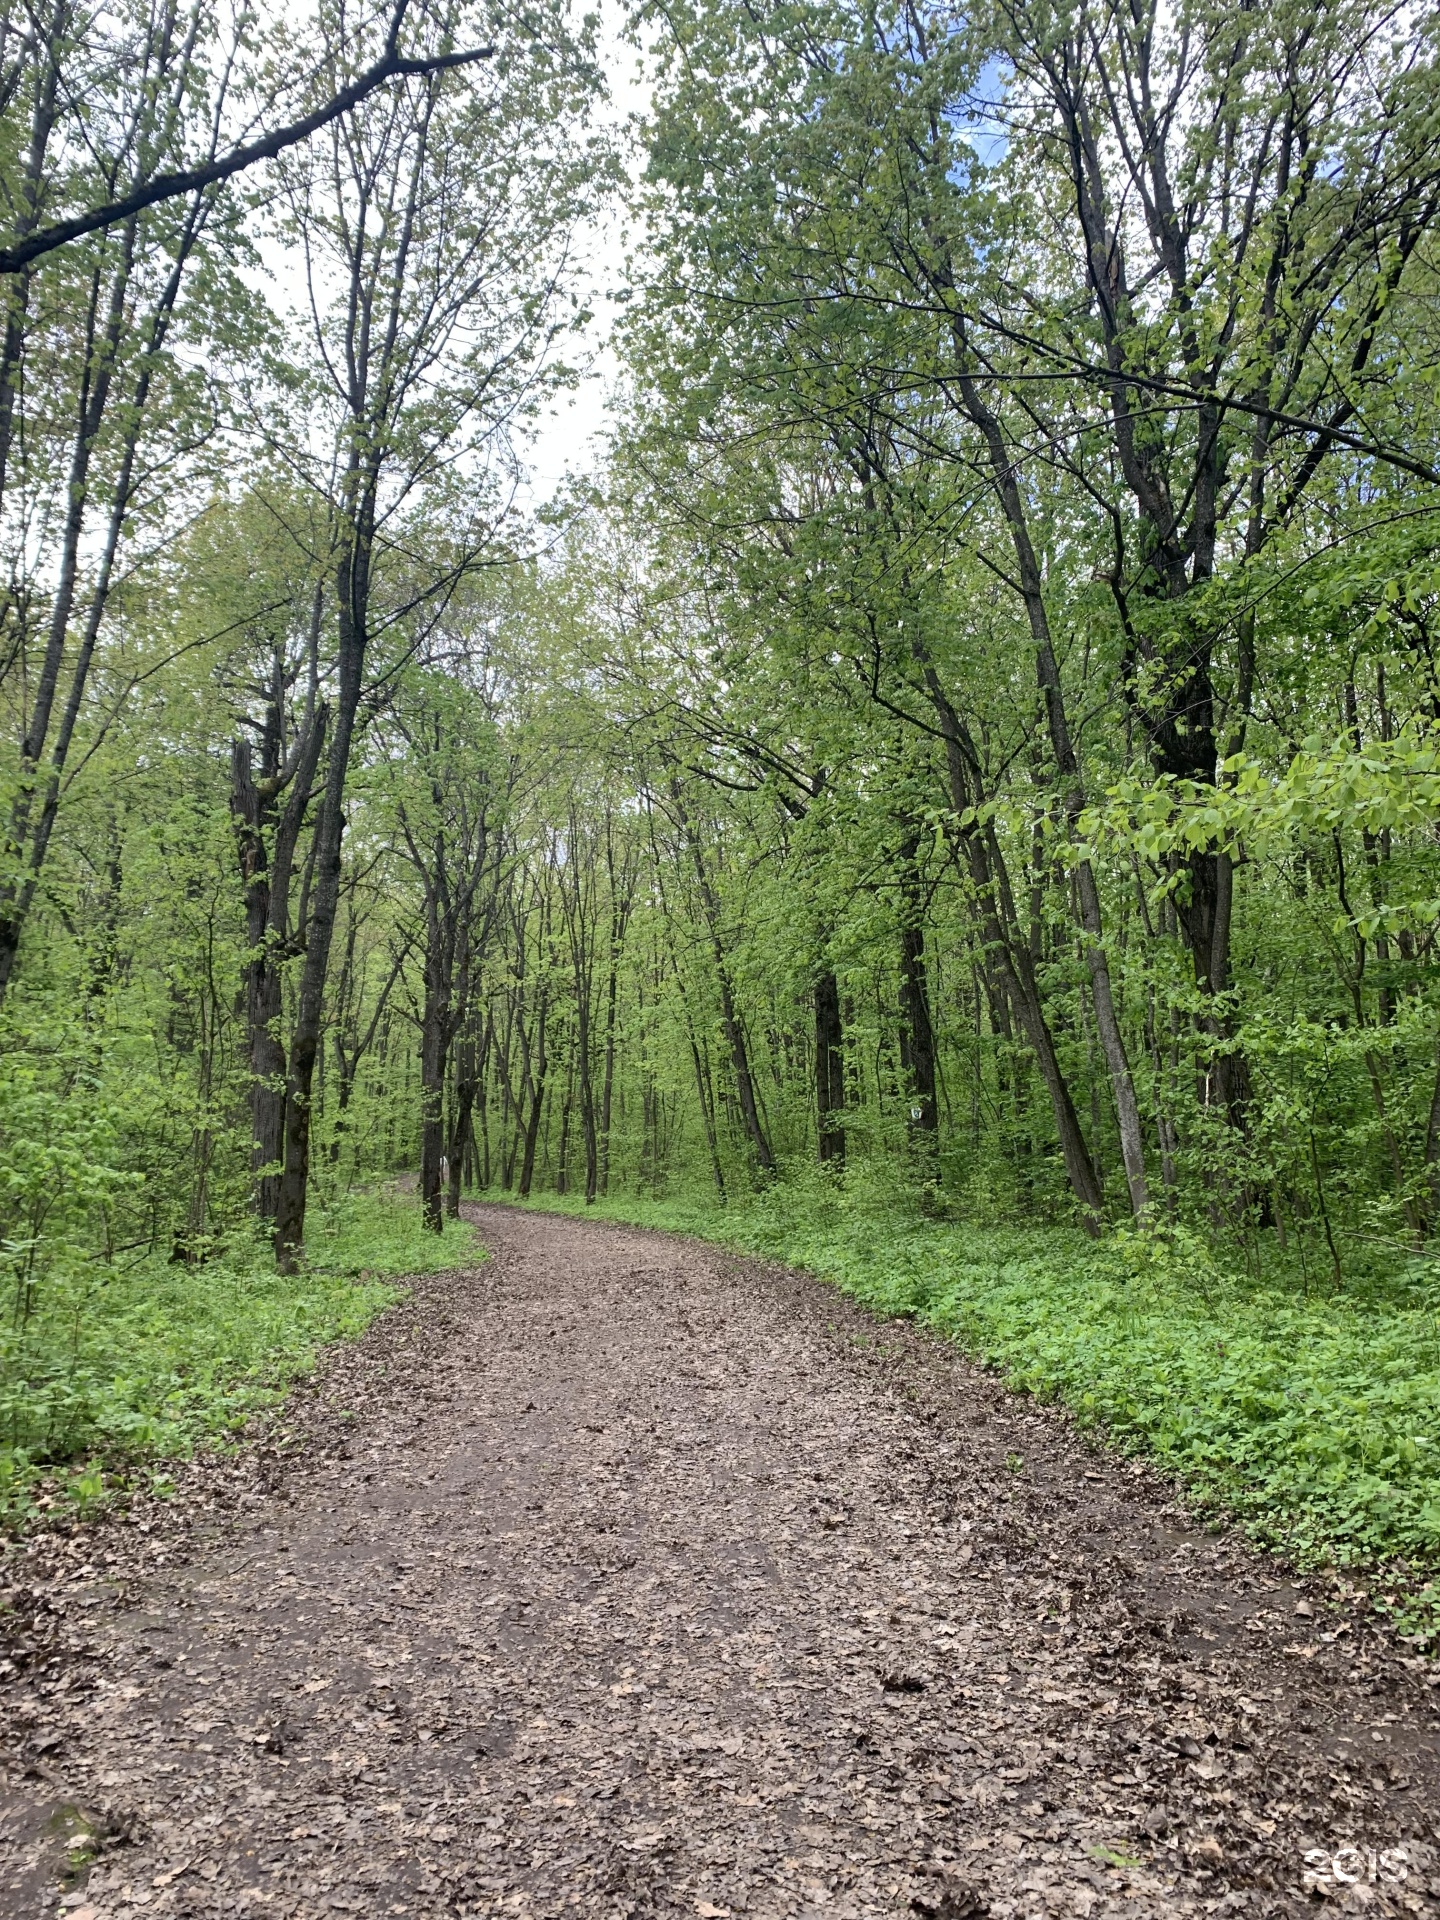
[622, 1577]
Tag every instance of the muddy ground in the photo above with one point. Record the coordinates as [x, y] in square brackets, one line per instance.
[622, 1577]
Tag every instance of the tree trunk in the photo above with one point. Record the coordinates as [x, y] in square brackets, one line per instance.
[587, 1103]
[607, 1084]
[16, 295]
[469, 1072]
[562, 1157]
[1112, 1044]
[707, 1110]
[1432, 1148]
[734, 1032]
[1010, 958]
[33, 834]
[704, 1090]
[532, 1128]
[829, 1068]
[434, 1019]
[18, 889]
[352, 606]
[917, 1038]
[266, 873]
[1067, 766]
[484, 1104]
[917, 1031]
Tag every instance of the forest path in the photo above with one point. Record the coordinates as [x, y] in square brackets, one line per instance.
[624, 1577]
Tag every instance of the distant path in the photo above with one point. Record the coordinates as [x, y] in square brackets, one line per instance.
[623, 1577]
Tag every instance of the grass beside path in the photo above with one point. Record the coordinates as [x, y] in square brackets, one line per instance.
[1312, 1417]
[120, 1366]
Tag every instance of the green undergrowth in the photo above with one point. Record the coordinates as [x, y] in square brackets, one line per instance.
[1311, 1417]
[118, 1367]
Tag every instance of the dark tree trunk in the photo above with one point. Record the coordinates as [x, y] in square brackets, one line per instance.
[567, 1105]
[348, 1054]
[917, 1035]
[353, 594]
[1204, 919]
[102, 341]
[1008, 956]
[1067, 766]
[607, 1084]
[587, 1117]
[704, 1088]
[51, 34]
[537, 1102]
[707, 1110]
[734, 1031]
[917, 1031]
[29, 835]
[433, 1033]
[740, 1060]
[482, 1098]
[829, 1068]
[266, 871]
[469, 1082]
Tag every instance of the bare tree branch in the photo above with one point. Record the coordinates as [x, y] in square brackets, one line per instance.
[391, 65]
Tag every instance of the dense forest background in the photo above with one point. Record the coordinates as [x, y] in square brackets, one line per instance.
[973, 744]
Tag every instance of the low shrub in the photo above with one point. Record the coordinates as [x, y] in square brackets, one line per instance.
[115, 1365]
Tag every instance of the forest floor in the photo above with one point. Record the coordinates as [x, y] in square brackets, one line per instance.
[621, 1576]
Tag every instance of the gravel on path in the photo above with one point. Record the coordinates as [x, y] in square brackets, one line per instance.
[623, 1577]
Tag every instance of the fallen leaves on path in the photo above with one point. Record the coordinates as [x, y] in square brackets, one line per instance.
[621, 1578]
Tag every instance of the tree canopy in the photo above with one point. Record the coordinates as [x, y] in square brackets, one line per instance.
[975, 730]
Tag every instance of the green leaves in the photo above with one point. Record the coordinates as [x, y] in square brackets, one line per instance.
[1327, 786]
[122, 1366]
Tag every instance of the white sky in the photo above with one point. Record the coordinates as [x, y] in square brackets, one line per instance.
[567, 440]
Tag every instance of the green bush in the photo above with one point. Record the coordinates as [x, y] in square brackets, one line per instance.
[114, 1365]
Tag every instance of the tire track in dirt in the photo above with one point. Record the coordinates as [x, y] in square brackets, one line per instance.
[623, 1577]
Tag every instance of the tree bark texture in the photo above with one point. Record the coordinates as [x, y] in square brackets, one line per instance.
[829, 1068]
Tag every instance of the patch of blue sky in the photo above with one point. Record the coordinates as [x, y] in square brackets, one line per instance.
[979, 118]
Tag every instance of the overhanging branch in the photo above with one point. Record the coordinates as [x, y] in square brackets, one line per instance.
[391, 65]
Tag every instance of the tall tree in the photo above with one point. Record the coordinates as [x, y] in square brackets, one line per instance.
[412, 216]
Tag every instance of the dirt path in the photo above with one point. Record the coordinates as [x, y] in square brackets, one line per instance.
[622, 1577]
